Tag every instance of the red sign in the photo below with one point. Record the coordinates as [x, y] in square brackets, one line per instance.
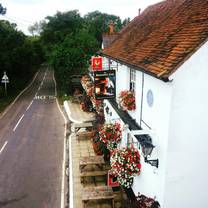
[97, 63]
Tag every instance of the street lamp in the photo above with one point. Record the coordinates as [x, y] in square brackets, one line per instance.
[147, 147]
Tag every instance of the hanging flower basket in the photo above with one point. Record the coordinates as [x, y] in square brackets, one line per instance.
[143, 201]
[98, 105]
[90, 90]
[127, 100]
[88, 85]
[110, 134]
[125, 164]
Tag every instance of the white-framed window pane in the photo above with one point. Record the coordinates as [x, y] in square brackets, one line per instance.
[132, 79]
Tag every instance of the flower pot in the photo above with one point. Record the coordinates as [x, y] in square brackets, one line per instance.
[112, 181]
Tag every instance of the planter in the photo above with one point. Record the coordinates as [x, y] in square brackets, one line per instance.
[127, 100]
[110, 135]
[112, 181]
[143, 201]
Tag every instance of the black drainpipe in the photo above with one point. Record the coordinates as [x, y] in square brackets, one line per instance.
[142, 99]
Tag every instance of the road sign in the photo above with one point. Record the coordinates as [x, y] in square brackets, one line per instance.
[97, 63]
[5, 80]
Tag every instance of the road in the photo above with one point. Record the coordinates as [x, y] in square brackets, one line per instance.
[31, 148]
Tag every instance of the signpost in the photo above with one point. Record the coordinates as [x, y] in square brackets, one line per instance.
[5, 80]
[104, 82]
[97, 63]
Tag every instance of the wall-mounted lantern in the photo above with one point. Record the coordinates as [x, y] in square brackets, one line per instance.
[147, 148]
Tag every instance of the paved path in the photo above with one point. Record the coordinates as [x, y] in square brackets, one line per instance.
[31, 148]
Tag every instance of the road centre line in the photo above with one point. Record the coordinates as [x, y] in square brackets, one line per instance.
[18, 122]
[5, 143]
[29, 105]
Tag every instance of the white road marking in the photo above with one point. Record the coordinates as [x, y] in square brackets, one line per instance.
[44, 76]
[18, 122]
[64, 153]
[41, 84]
[29, 105]
[71, 192]
[5, 143]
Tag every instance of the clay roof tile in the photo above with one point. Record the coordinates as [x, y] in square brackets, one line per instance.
[163, 36]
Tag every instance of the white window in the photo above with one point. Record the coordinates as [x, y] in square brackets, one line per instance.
[133, 79]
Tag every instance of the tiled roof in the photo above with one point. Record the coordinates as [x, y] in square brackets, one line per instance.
[162, 37]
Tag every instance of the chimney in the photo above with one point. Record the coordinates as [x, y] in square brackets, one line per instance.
[139, 11]
[111, 26]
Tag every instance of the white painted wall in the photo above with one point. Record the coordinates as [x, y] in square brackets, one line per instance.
[138, 96]
[122, 79]
[151, 180]
[187, 165]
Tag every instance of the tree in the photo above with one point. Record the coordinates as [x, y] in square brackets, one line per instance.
[70, 40]
[71, 57]
[20, 56]
[56, 27]
[2, 10]
[36, 28]
[98, 23]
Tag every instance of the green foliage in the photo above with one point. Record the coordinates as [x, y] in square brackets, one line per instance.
[98, 23]
[19, 55]
[71, 57]
[70, 40]
[60, 25]
[2, 92]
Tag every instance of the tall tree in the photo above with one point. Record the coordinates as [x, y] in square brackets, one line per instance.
[19, 55]
[98, 23]
[71, 57]
[60, 25]
[36, 28]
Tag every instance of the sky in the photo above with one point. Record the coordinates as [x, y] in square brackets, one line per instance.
[26, 12]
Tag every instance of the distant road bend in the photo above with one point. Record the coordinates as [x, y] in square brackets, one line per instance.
[32, 148]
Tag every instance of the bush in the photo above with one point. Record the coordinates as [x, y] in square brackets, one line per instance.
[2, 92]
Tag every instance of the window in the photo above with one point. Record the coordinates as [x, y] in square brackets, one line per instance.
[132, 79]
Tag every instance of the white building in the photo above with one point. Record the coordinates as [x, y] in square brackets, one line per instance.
[163, 56]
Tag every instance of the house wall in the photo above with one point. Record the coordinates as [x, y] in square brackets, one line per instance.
[187, 169]
[151, 180]
[122, 79]
[156, 119]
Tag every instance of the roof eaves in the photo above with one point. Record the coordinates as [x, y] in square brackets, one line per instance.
[187, 57]
[164, 79]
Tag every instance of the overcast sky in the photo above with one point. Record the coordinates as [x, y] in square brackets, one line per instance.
[26, 12]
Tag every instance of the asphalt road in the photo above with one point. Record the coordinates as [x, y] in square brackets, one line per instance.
[31, 148]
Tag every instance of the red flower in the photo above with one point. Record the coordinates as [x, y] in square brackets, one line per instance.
[127, 100]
